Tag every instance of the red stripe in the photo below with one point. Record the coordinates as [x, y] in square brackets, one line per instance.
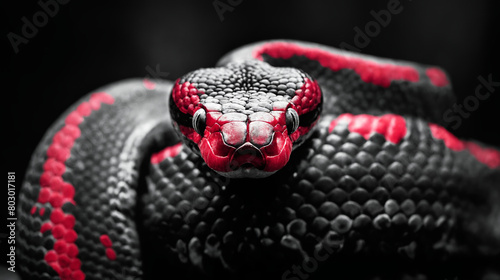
[392, 127]
[171, 151]
[487, 156]
[437, 77]
[55, 191]
[377, 73]
[449, 139]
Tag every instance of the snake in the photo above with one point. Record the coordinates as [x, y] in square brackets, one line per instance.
[287, 160]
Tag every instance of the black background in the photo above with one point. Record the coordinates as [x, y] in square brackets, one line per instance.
[88, 44]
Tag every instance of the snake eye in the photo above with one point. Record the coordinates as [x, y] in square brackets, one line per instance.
[200, 121]
[292, 120]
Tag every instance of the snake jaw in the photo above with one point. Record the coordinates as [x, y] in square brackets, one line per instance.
[247, 160]
[247, 156]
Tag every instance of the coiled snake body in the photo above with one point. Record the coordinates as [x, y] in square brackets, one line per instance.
[374, 187]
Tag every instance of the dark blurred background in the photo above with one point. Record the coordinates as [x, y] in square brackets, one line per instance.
[88, 44]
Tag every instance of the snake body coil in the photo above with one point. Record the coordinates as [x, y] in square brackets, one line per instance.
[374, 187]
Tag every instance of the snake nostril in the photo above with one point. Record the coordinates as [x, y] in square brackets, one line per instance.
[247, 155]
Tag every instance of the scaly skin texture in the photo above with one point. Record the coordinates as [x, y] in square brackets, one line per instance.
[367, 200]
[82, 185]
[377, 191]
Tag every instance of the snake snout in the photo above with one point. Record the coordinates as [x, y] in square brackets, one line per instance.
[247, 155]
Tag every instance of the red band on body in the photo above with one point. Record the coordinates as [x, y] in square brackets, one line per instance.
[63, 258]
[171, 151]
[437, 77]
[377, 73]
[392, 127]
[487, 156]
[450, 141]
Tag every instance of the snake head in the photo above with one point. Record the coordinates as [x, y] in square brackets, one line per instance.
[245, 118]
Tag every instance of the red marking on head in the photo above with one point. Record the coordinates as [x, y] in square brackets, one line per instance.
[380, 74]
[437, 77]
[392, 127]
[148, 84]
[55, 191]
[190, 133]
[247, 154]
[234, 133]
[213, 149]
[278, 153]
[302, 130]
[171, 151]
[223, 136]
[33, 210]
[260, 133]
[185, 97]
[224, 158]
[264, 131]
[307, 97]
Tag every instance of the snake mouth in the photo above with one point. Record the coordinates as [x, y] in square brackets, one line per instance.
[247, 157]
